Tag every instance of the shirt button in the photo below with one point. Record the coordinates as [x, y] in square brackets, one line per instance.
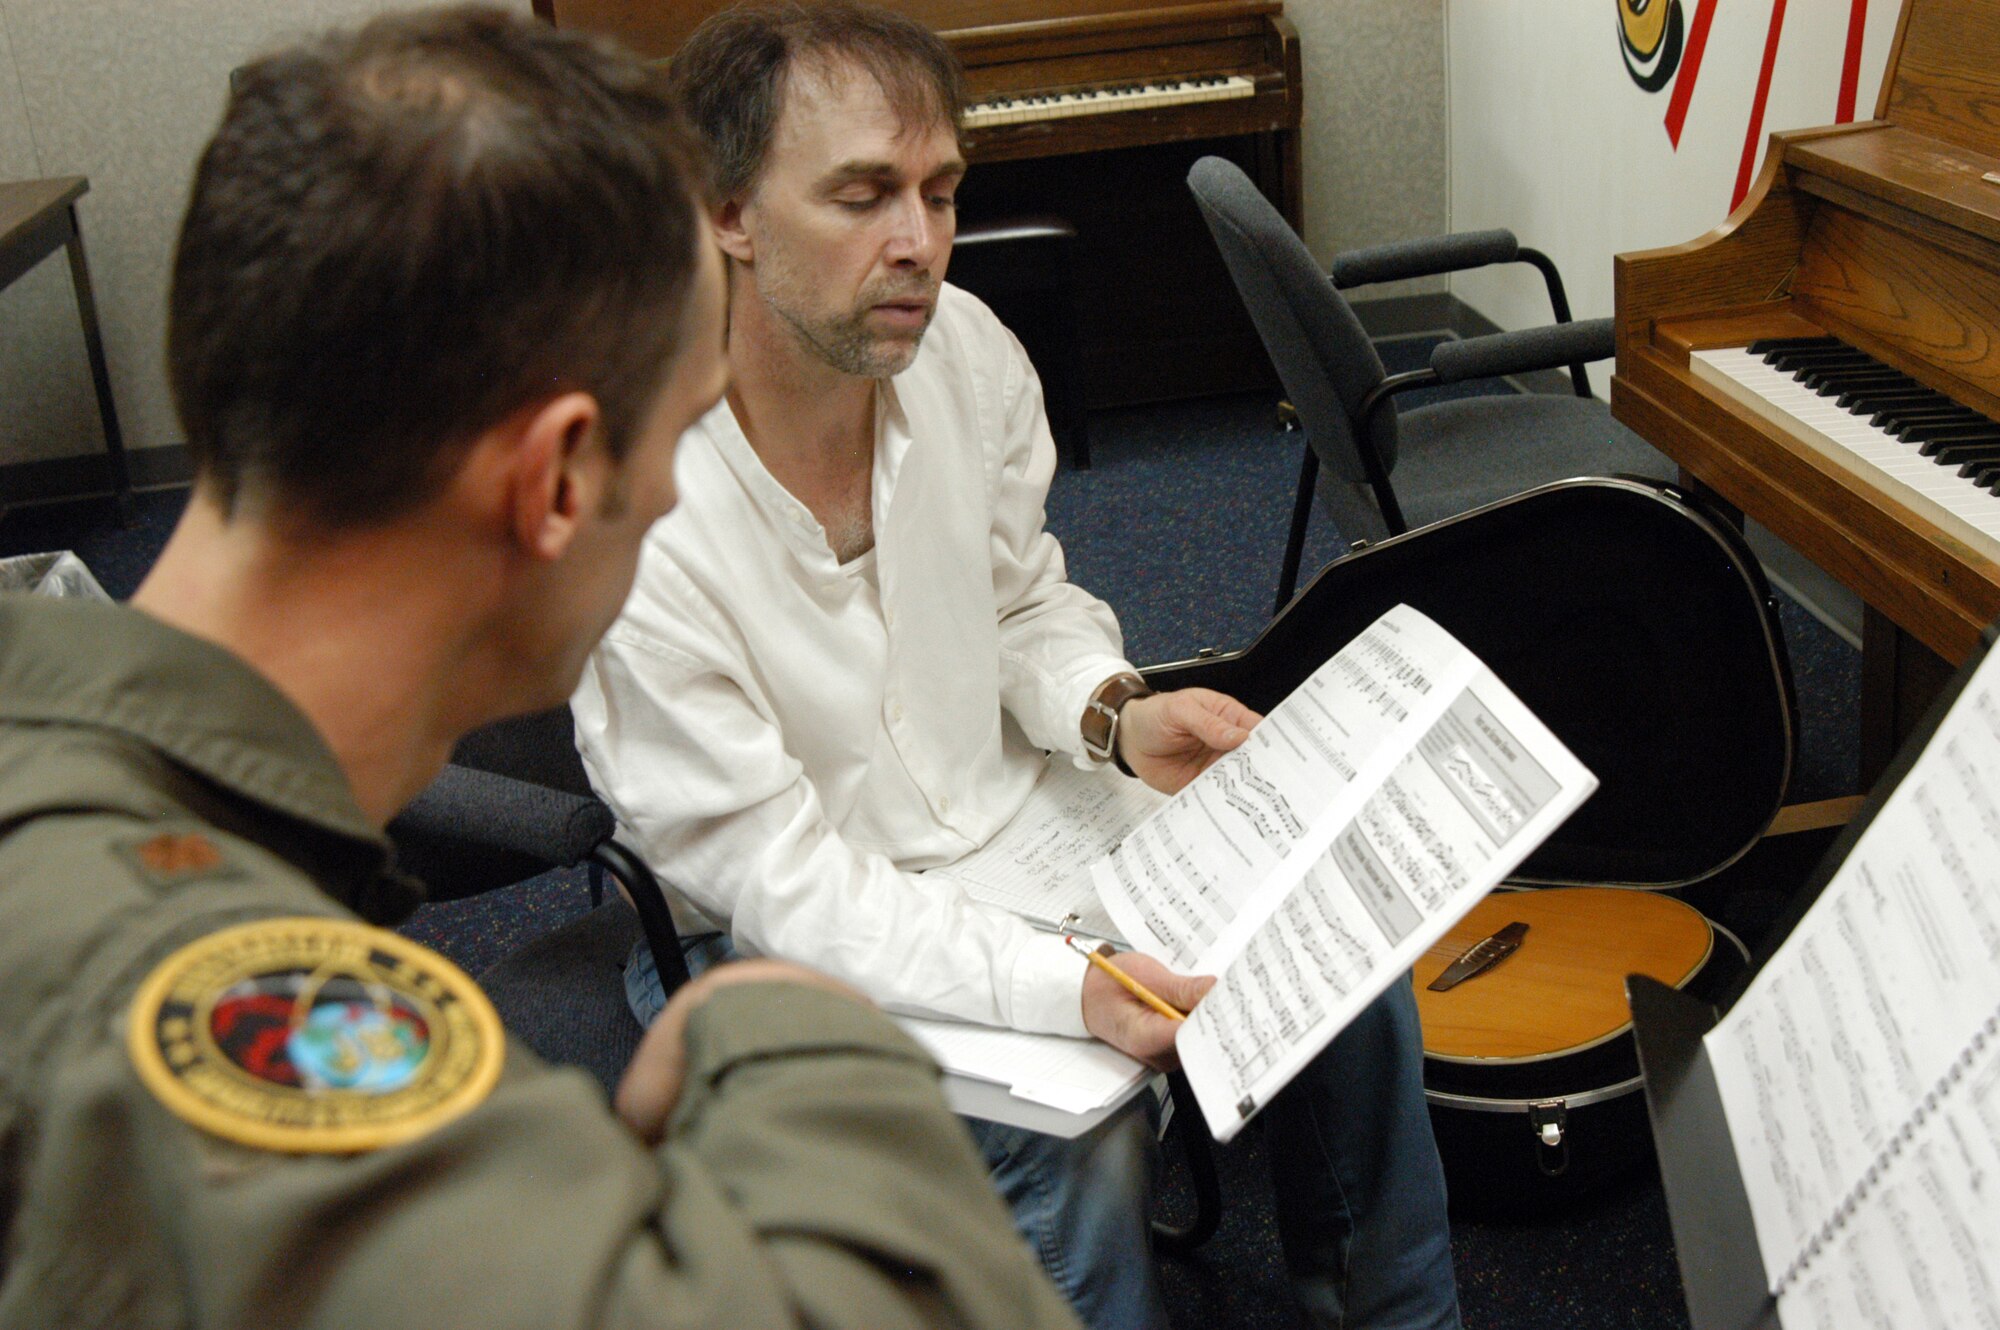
[944, 803]
[896, 713]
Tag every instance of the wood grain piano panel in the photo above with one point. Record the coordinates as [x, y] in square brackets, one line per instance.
[1921, 308]
[1942, 81]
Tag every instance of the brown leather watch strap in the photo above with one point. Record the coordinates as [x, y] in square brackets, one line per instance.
[1100, 716]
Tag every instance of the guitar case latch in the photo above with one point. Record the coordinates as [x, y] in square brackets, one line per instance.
[1547, 1118]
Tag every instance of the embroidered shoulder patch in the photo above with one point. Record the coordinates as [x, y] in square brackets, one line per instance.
[313, 1036]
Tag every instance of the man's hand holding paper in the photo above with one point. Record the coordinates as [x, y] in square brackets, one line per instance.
[1124, 1021]
[1170, 738]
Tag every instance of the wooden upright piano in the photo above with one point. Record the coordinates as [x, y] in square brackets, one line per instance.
[1094, 110]
[1873, 454]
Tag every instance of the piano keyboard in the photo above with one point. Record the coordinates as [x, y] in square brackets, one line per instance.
[1926, 450]
[1099, 101]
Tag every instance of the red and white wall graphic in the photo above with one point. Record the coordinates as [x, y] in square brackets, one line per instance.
[1591, 127]
[1657, 53]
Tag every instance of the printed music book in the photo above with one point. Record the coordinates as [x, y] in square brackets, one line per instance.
[1858, 1075]
[1308, 869]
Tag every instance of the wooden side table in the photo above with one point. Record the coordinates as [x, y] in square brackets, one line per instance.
[37, 217]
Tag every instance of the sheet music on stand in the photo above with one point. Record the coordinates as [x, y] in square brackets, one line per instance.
[1859, 1072]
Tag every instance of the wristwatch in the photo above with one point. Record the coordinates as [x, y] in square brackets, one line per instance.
[1100, 716]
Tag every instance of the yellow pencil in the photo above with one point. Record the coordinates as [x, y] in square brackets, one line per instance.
[1126, 981]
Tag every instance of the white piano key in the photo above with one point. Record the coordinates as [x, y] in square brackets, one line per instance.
[1915, 480]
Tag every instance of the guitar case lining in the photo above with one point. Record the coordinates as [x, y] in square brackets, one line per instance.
[1638, 626]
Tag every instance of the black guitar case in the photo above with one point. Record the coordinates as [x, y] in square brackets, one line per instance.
[1638, 626]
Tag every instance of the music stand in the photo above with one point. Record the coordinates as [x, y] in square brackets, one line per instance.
[1715, 1238]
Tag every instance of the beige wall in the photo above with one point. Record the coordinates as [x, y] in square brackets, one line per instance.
[124, 92]
[1375, 150]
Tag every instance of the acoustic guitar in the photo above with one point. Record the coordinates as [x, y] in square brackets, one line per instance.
[1562, 989]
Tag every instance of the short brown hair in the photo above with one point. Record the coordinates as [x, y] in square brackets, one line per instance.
[401, 235]
[730, 75]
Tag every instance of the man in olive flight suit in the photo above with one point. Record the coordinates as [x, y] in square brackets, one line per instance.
[443, 303]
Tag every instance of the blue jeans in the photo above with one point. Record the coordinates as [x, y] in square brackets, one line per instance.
[1355, 1176]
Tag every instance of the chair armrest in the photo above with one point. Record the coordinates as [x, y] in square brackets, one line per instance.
[1425, 257]
[473, 831]
[1524, 350]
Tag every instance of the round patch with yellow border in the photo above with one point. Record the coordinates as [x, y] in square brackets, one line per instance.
[314, 1036]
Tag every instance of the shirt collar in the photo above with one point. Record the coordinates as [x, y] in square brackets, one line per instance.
[794, 522]
[110, 667]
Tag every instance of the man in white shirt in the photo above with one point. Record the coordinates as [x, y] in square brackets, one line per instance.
[846, 656]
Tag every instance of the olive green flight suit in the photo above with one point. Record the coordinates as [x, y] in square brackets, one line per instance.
[811, 1174]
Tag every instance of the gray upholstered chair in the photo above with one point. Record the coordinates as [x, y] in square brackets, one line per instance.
[1448, 457]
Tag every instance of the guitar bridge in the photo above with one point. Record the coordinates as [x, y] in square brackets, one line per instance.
[1480, 957]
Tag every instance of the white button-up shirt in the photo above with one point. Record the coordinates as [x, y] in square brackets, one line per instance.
[788, 740]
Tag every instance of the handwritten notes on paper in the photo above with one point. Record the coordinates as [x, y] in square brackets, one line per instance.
[1038, 865]
[1312, 866]
[1858, 1071]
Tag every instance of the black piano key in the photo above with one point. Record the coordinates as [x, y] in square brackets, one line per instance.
[1985, 475]
[1932, 440]
[1916, 433]
[1863, 376]
[1974, 462]
[1879, 397]
[1829, 379]
[1766, 347]
[1905, 425]
[1833, 382]
[1812, 373]
[1891, 411]
[1826, 351]
[1890, 405]
[1802, 363]
[1955, 452]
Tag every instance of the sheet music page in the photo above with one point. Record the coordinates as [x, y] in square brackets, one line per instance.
[1312, 866]
[1482, 785]
[1919, 1250]
[1038, 865]
[1178, 883]
[1876, 992]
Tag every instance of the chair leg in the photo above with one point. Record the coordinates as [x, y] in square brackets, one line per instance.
[1181, 1240]
[656, 921]
[1295, 544]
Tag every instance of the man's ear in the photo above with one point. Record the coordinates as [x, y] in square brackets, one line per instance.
[561, 469]
[730, 232]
